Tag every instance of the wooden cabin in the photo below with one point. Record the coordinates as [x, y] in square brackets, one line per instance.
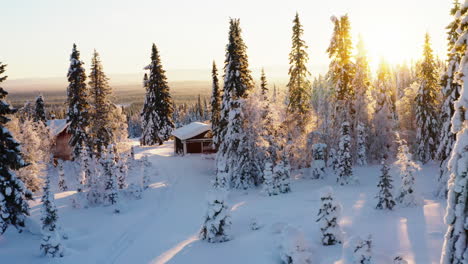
[195, 137]
[61, 149]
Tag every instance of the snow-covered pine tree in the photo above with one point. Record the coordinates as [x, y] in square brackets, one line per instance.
[344, 167]
[215, 105]
[328, 216]
[122, 169]
[51, 245]
[385, 197]
[299, 84]
[282, 170]
[455, 249]
[78, 106]
[146, 172]
[13, 194]
[451, 92]
[39, 110]
[408, 168]
[361, 86]
[217, 224]
[341, 71]
[318, 163]
[156, 116]
[426, 105]
[270, 180]
[361, 145]
[383, 135]
[333, 159]
[111, 195]
[95, 179]
[362, 253]
[233, 157]
[100, 92]
[61, 177]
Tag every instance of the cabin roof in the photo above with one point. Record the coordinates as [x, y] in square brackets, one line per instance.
[191, 130]
[56, 126]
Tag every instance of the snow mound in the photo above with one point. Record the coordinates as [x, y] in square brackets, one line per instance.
[191, 130]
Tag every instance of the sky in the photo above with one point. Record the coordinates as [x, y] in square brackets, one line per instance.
[37, 36]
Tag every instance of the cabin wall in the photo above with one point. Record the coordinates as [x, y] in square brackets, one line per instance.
[61, 148]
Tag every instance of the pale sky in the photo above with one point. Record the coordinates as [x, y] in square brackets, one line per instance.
[37, 35]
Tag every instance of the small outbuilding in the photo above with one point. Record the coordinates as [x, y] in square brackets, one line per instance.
[61, 148]
[195, 137]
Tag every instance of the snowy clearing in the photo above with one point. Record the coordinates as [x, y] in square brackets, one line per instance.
[163, 226]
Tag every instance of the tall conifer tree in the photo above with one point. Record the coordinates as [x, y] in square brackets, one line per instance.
[451, 92]
[13, 194]
[234, 160]
[299, 85]
[215, 104]
[100, 92]
[455, 249]
[78, 107]
[39, 110]
[426, 109]
[157, 123]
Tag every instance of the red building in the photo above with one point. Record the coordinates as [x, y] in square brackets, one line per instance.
[195, 137]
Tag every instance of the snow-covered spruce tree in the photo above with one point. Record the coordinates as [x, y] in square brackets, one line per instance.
[455, 249]
[156, 116]
[385, 197]
[110, 172]
[39, 110]
[383, 136]
[361, 86]
[408, 168]
[282, 171]
[13, 194]
[362, 253]
[78, 106]
[427, 103]
[100, 92]
[333, 159]
[451, 92]
[344, 167]
[233, 154]
[215, 105]
[318, 163]
[217, 223]
[270, 180]
[61, 177]
[51, 245]
[122, 170]
[361, 145]
[146, 172]
[95, 182]
[299, 84]
[328, 216]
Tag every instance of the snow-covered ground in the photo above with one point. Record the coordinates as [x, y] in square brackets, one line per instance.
[163, 226]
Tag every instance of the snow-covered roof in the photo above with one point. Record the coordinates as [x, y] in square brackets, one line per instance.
[191, 130]
[56, 126]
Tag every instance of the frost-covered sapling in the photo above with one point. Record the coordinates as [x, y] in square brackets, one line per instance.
[328, 217]
[332, 159]
[110, 175]
[361, 145]
[61, 175]
[122, 166]
[51, 245]
[294, 248]
[146, 172]
[385, 196]
[362, 253]
[408, 168]
[318, 163]
[399, 260]
[344, 168]
[270, 180]
[134, 191]
[255, 224]
[282, 171]
[217, 223]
